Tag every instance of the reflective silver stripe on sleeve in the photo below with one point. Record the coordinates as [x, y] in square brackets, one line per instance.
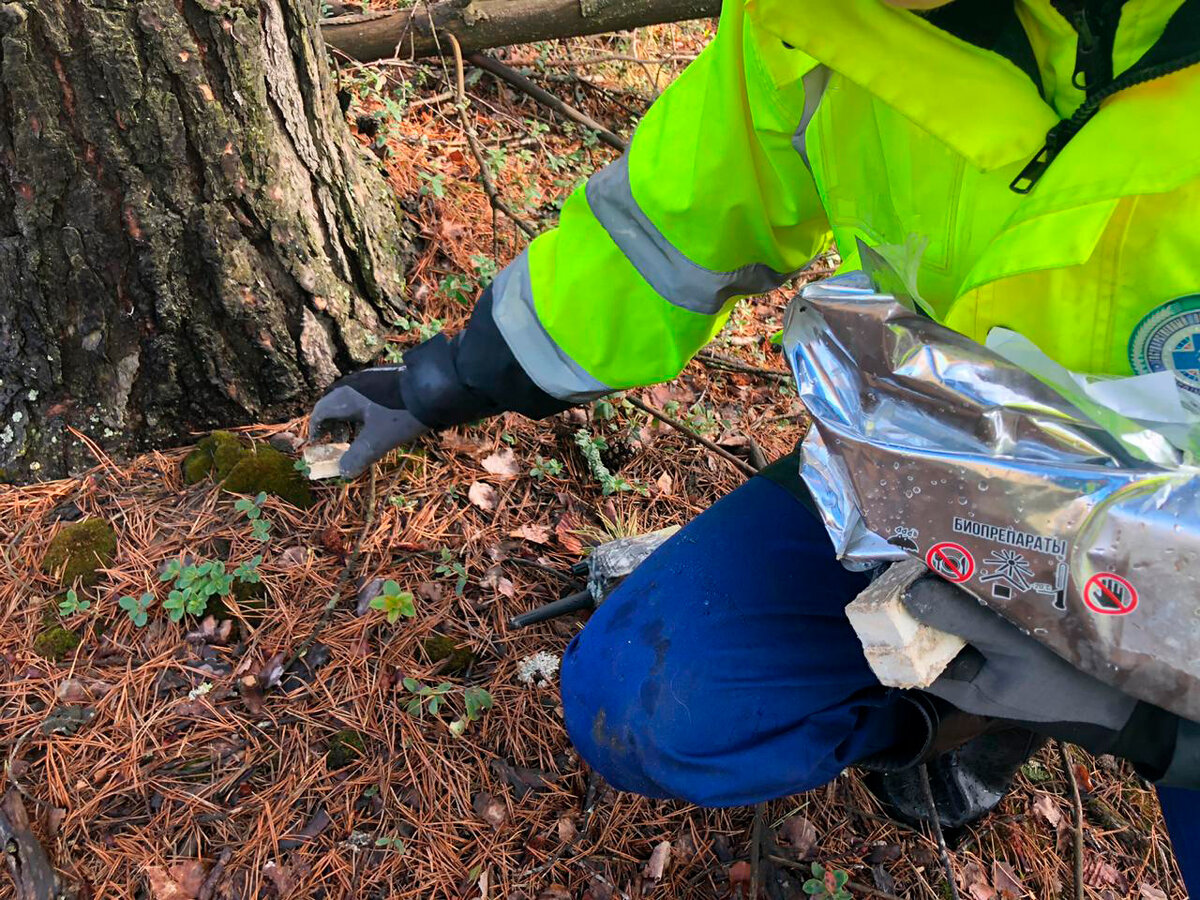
[672, 275]
[541, 358]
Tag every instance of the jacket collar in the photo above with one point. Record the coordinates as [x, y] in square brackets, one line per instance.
[976, 101]
[985, 106]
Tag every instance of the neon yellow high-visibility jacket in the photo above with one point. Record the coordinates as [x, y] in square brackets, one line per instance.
[1048, 162]
[1045, 154]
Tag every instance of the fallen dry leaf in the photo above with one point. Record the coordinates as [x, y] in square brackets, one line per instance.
[495, 580]
[489, 809]
[1148, 892]
[535, 534]
[799, 834]
[502, 463]
[1045, 807]
[554, 892]
[1098, 874]
[180, 881]
[660, 858]
[565, 531]
[739, 877]
[1006, 881]
[976, 881]
[482, 495]
[566, 829]
[665, 484]
[292, 557]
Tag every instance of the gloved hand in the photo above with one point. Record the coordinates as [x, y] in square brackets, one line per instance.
[371, 399]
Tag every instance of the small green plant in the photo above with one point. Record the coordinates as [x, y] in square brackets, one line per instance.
[402, 503]
[425, 696]
[457, 287]
[137, 608]
[394, 602]
[545, 468]
[301, 466]
[248, 571]
[390, 842]
[485, 269]
[260, 527]
[71, 604]
[827, 884]
[703, 420]
[452, 566]
[194, 586]
[434, 185]
[476, 701]
[590, 447]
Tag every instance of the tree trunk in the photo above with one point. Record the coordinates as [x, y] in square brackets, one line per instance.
[481, 24]
[189, 234]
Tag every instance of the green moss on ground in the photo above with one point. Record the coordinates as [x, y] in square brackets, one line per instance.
[79, 551]
[217, 453]
[55, 642]
[247, 469]
[266, 469]
[439, 647]
[345, 747]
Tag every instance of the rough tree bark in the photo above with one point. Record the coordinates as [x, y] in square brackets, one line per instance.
[481, 24]
[189, 234]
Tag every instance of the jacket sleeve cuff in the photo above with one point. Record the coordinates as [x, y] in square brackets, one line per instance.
[471, 376]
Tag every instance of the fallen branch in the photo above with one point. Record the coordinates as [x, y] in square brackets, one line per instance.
[30, 868]
[691, 435]
[482, 24]
[543, 96]
[485, 175]
[936, 824]
[714, 361]
[1077, 816]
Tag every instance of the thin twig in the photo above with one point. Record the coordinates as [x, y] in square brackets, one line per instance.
[722, 362]
[485, 176]
[936, 824]
[1077, 812]
[692, 435]
[760, 812]
[519, 81]
[616, 57]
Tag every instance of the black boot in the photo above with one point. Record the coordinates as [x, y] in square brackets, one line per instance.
[967, 781]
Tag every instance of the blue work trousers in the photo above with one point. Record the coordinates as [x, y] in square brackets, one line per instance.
[724, 671]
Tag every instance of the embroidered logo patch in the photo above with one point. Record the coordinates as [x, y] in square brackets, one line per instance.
[1168, 338]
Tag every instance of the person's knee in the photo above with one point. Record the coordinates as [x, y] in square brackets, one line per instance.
[615, 686]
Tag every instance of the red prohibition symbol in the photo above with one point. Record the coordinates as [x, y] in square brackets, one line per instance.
[952, 561]
[1109, 594]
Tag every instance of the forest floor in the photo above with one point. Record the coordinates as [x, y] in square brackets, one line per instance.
[200, 759]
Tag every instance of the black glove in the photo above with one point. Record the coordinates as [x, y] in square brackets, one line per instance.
[371, 399]
[1005, 674]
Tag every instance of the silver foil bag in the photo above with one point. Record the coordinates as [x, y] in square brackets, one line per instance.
[1077, 524]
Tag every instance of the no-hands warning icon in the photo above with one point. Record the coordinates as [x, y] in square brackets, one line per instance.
[1110, 595]
[952, 561]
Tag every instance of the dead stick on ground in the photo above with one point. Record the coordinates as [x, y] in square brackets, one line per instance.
[756, 830]
[692, 435]
[720, 362]
[485, 176]
[1077, 810]
[936, 824]
[543, 96]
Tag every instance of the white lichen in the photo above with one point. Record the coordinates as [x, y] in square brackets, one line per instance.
[32, 395]
[18, 416]
[538, 670]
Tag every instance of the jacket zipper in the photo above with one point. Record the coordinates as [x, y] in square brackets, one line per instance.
[1096, 26]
